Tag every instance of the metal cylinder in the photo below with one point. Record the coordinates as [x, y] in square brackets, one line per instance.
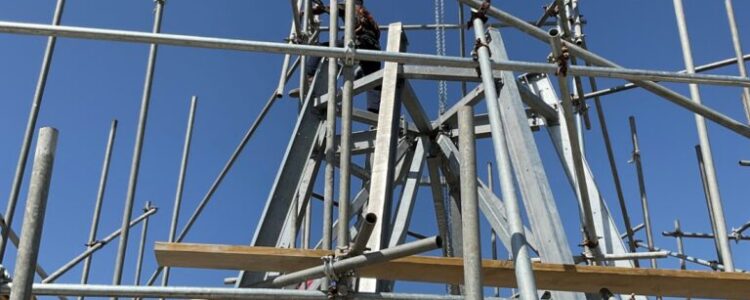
[469, 205]
[589, 229]
[346, 131]
[717, 209]
[213, 293]
[33, 220]
[99, 200]
[642, 187]
[738, 51]
[363, 234]
[181, 180]
[524, 272]
[138, 148]
[359, 261]
[141, 246]
[330, 150]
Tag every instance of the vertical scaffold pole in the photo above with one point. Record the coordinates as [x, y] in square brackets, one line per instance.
[469, 205]
[738, 51]
[181, 180]
[36, 104]
[99, 200]
[717, 209]
[493, 234]
[330, 133]
[33, 220]
[142, 246]
[523, 270]
[136, 163]
[642, 188]
[346, 129]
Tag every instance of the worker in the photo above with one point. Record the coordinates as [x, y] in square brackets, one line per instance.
[366, 36]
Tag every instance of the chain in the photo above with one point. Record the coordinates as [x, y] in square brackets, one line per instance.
[440, 49]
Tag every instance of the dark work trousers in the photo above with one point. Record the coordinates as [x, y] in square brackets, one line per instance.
[365, 68]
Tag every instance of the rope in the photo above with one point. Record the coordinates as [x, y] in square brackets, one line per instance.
[440, 49]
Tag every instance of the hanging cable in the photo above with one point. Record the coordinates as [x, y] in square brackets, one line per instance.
[440, 50]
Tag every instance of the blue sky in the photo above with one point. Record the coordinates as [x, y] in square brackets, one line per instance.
[93, 82]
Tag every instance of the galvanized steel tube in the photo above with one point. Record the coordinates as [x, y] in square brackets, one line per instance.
[524, 272]
[698, 69]
[181, 180]
[33, 220]
[346, 130]
[330, 149]
[141, 246]
[99, 200]
[137, 151]
[642, 186]
[587, 218]
[211, 293]
[738, 51]
[717, 209]
[469, 205]
[609, 70]
[359, 261]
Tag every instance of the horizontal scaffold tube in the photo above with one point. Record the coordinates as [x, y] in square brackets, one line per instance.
[205, 293]
[369, 55]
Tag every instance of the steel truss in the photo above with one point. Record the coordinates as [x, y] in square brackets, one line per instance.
[397, 152]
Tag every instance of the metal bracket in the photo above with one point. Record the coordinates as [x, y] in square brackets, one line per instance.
[351, 51]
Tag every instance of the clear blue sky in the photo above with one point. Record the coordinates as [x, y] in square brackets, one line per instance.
[93, 82]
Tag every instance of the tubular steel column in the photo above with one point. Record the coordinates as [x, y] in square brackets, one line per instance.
[493, 234]
[330, 150]
[469, 205]
[36, 104]
[99, 199]
[642, 188]
[713, 186]
[142, 246]
[136, 163]
[738, 51]
[181, 180]
[523, 270]
[33, 221]
[592, 241]
[346, 129]
[581, 39]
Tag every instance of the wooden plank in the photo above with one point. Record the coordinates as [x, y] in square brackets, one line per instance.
[676, 283]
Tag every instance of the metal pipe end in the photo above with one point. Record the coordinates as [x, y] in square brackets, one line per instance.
[554, 32]
[439, 242]
[371, 218]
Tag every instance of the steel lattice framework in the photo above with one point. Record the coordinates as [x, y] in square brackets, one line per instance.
[371, 251]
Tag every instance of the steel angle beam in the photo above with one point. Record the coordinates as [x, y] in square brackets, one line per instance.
[594, 59]
[415, 109]
[384, 159]
[491, 206]
[301, 146]
[450, 116]
[537, 195]
[408, 195]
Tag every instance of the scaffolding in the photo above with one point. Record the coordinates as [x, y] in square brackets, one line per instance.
[364, 248]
